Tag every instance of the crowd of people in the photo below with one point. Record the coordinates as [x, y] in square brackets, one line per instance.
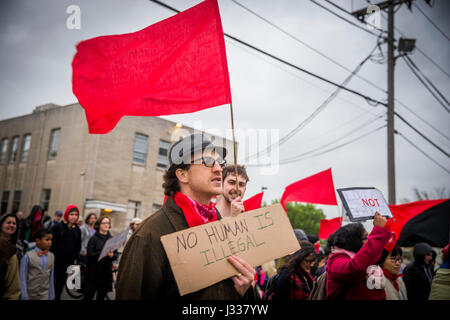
[36, 252]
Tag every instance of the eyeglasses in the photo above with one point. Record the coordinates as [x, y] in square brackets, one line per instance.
[309, 261]
[396, 259]
[210, 162]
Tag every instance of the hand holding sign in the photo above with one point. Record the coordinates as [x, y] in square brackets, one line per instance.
[362, 203]
[243, 280]
[379, 220]
[112, 244]
[206, 254]
[237, 206]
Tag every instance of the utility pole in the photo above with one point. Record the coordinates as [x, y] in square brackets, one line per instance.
[390, 113]
[388, 5]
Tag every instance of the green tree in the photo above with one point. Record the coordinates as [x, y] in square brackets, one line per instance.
[303, 216]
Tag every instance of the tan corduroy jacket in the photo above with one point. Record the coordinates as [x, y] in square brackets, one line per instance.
[144, 270]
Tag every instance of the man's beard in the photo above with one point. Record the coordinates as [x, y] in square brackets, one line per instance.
[230, 196]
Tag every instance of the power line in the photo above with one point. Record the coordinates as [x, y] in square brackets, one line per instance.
[429, 124]
[332, 60]
[323, 152]
[367, 98]
[425, 85]
[364, 125]
[296, 75]
[327, 133]
[418, 49]
[440, 140]
[422, 135]
[431, 21]
[340, 17]
[314, 85]
[338, 146]
[424, 153]
[433, 62]
[343, 10]
[306, 44]
[315, 112]
[416, 75]
[426, 78]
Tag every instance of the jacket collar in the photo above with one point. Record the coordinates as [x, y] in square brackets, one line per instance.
[176, 216]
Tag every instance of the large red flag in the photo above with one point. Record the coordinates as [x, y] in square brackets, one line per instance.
[253, 202]
[404, 213]
[327, 227]
[175, 66]
[318, 188]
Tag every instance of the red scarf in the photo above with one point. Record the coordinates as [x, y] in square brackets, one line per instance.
[195, 213]
[392, 278]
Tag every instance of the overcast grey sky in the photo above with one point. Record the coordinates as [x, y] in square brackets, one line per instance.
[37, 51]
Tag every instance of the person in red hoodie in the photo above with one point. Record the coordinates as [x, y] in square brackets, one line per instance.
[352, 270]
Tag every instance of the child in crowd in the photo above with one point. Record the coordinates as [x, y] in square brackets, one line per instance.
[36, 269]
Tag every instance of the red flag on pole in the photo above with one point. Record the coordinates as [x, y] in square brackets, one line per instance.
[318, 188]
[175, 66]
[327, 227]
[253, 202]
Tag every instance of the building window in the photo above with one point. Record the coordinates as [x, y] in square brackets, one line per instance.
[45, 199]
[25, 148]
[16, 201]
[3, 150]
[14, 149]
[4, 206]
[54, 142]
[140, 149]
[163, 160]
[134, 210]
[156, 207]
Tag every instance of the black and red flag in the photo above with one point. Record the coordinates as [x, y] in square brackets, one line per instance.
[422, 221]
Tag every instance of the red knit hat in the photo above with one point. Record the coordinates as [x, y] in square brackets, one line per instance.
[445, 252]
[70, 208]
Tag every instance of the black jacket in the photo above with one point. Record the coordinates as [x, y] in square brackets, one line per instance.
[418, 275]
[99, 273]
[66, 243]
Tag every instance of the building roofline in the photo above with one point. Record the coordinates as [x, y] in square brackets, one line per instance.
[52, 106]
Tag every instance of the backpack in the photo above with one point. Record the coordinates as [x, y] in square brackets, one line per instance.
[271, 286]
[319, 288]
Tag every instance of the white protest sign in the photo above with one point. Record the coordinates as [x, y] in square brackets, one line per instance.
[114, 243]
[362, 203]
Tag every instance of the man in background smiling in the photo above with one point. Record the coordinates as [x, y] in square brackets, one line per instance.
[193, 178]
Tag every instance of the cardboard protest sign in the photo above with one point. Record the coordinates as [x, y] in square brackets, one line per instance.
[198, 255]
[361, 203]
[114, 243]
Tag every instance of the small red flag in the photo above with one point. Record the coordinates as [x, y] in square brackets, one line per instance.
[318, 188]
[253, 202]
[175, 66]
[327, 227]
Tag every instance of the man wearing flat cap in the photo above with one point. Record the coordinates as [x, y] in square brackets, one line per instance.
[193, 178]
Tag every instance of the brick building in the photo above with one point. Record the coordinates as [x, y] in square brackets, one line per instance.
[49, 158]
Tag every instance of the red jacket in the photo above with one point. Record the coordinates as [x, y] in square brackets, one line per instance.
[345, 273]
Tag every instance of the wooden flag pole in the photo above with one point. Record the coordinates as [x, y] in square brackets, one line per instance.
[234, 150]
